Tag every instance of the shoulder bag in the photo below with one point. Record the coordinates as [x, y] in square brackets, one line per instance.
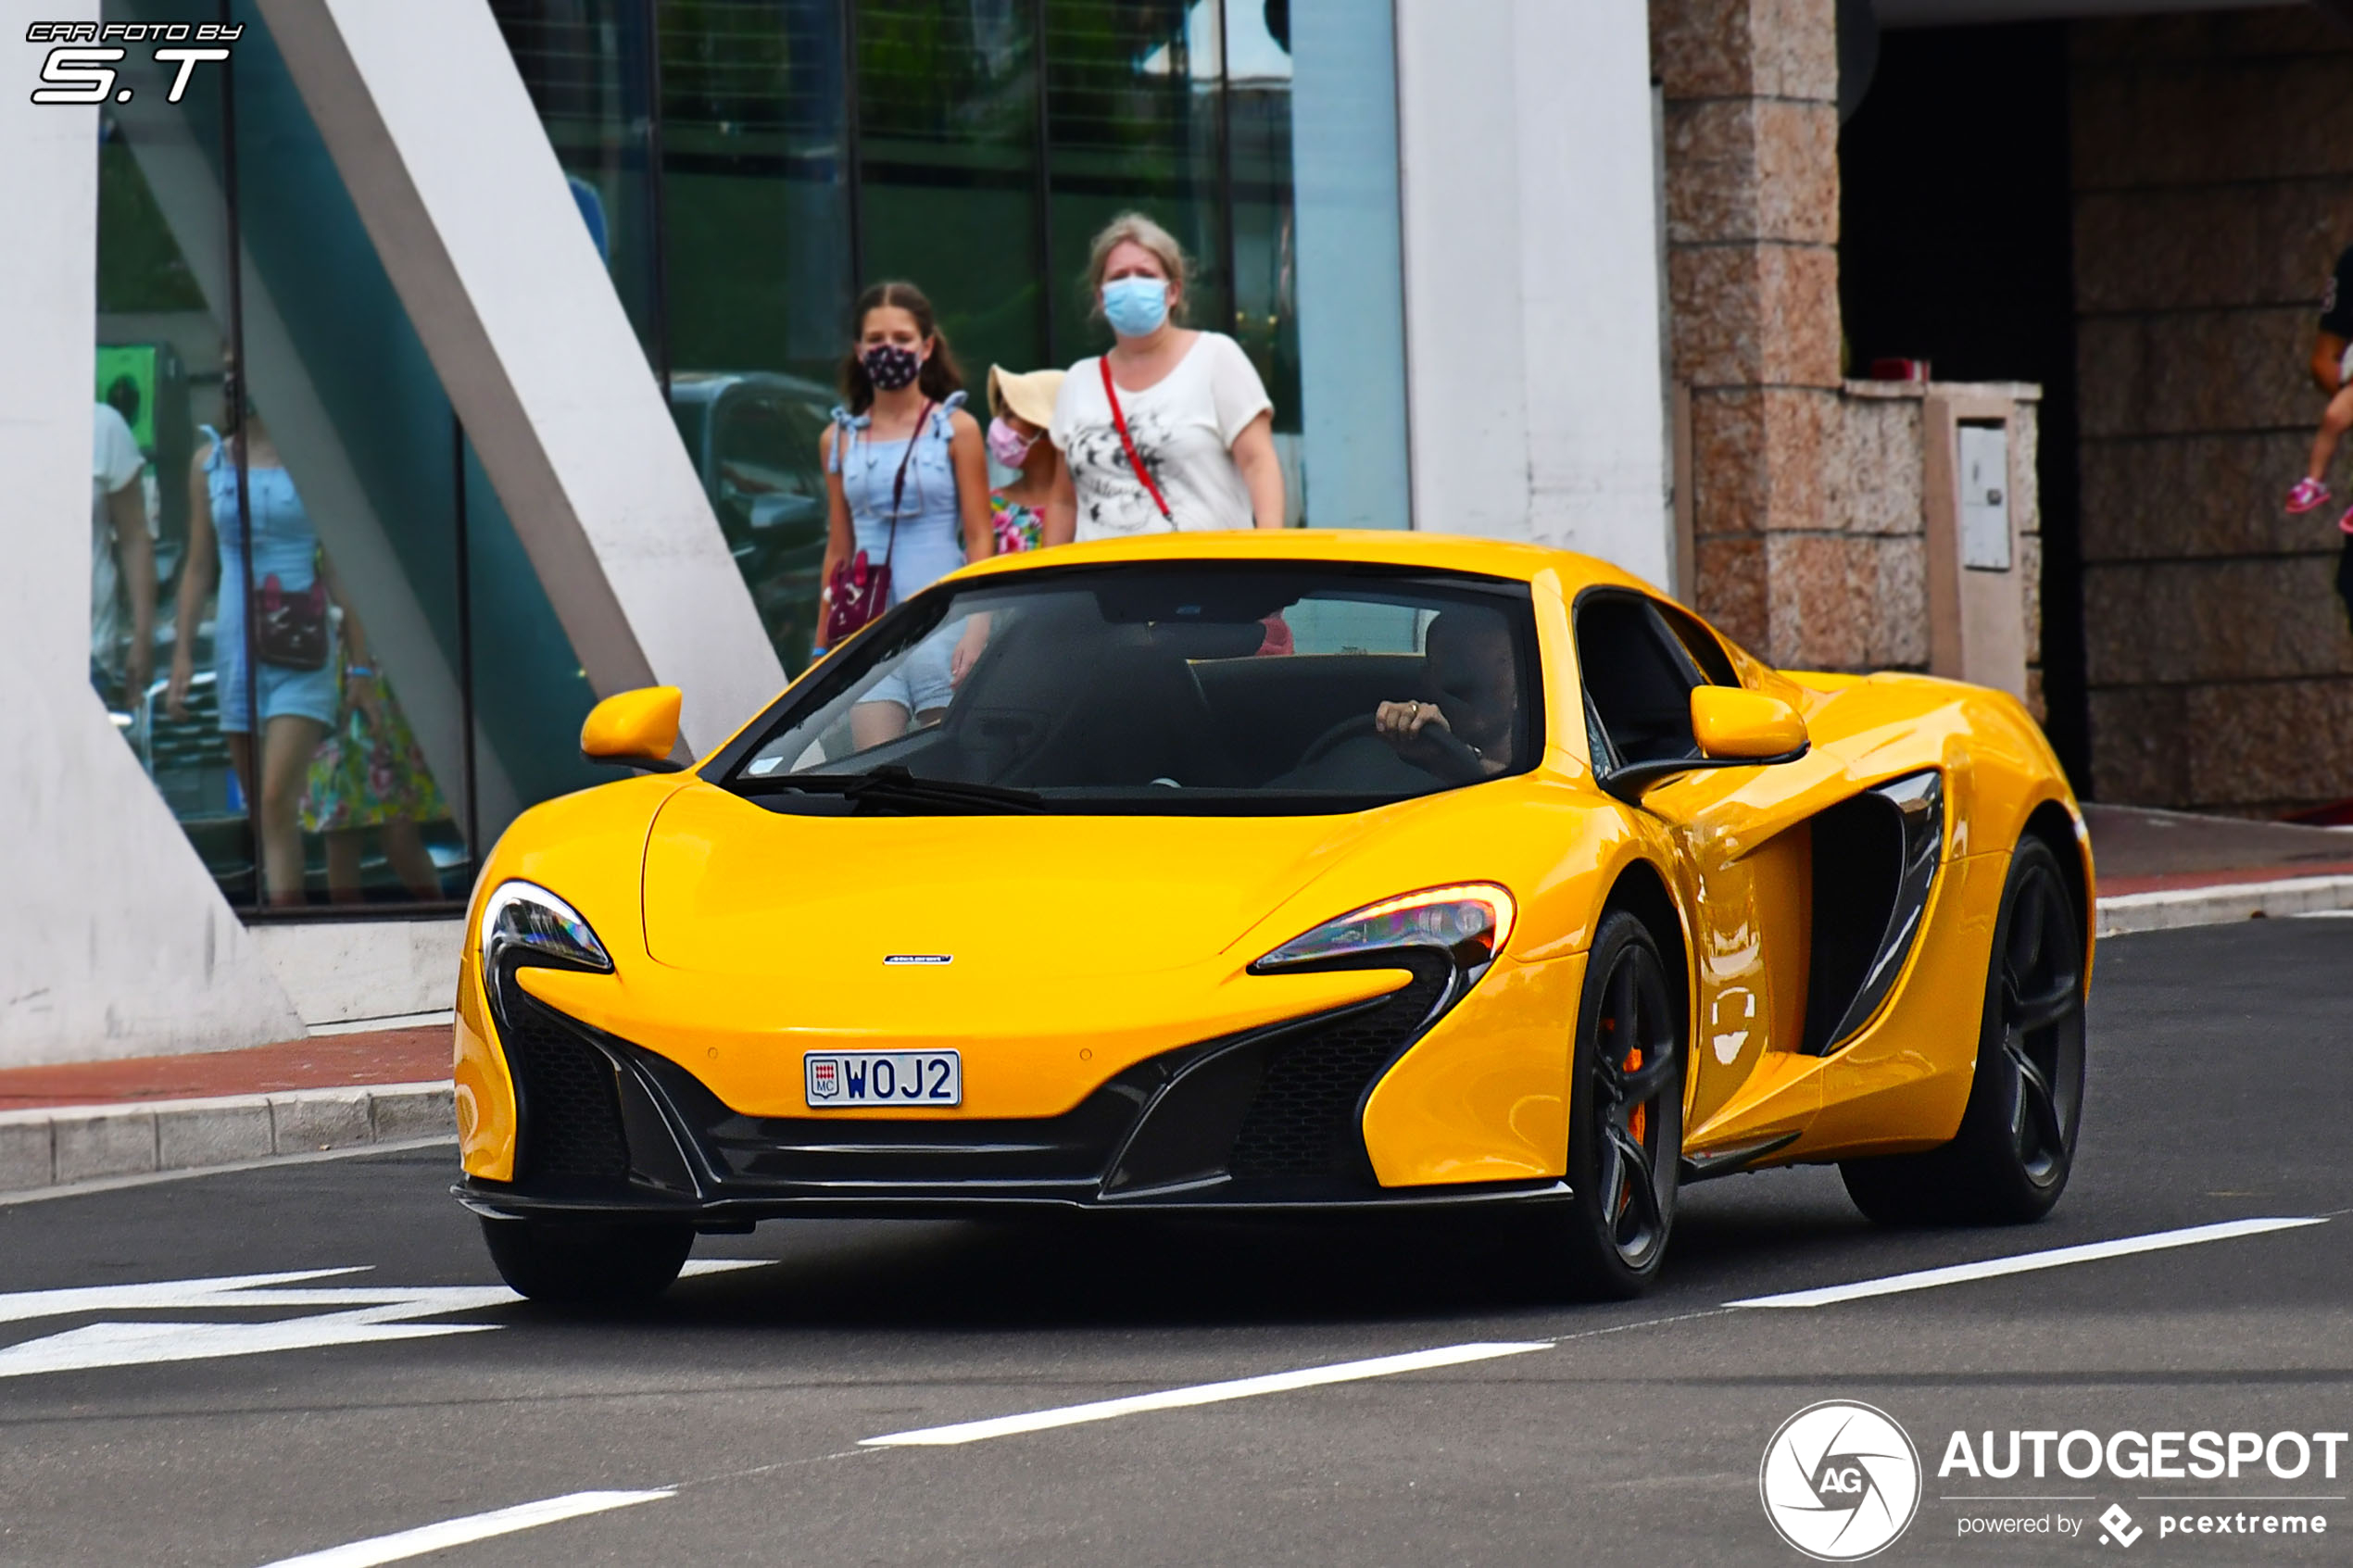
[858, 590]
[292, 631]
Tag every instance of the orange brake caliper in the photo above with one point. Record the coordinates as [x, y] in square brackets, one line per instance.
[1641, 1118]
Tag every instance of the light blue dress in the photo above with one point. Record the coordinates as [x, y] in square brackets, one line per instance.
[930, 540]
[285, 545]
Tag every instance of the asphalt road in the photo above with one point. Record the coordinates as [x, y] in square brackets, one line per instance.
[2218, 1091]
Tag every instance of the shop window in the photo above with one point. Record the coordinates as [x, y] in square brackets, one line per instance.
[330, 731]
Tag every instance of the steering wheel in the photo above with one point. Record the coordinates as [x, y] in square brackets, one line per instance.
[1324, 745]
[1455, 763]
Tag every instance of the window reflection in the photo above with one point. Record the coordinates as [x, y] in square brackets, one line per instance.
[754, 437]
[805, 147]
[743, 166]
[1133, 121]
[948, 170]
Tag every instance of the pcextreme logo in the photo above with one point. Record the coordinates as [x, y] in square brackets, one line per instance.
[1840, 1481]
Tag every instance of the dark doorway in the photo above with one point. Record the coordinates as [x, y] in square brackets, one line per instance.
[1956, 246]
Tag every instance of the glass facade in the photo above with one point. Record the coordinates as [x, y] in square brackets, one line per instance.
[805, 147]
[290, 539]
[353, 675]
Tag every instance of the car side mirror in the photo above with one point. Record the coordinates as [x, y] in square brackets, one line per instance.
[1734, 725]
[635, 728]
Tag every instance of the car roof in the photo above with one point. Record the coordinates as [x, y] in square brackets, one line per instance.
[1381, 547]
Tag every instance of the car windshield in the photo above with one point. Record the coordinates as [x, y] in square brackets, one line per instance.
[1177, 688]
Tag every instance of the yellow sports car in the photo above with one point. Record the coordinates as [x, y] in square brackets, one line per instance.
[1278, 872]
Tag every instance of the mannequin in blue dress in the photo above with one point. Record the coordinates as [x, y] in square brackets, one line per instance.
[297, 706]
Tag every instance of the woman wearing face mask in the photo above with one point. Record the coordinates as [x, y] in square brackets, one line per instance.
[906, 486]
[1022, 407]
[1172, 429]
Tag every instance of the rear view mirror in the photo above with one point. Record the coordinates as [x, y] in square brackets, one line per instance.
[1731, 725]
[635, 728]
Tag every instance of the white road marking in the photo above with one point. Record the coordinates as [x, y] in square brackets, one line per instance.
[369, 1314]
[473, 1527]
[2026, 1263]
[1452, 1355]
[1207, 1394]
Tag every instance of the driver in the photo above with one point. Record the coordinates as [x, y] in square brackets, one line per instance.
[1471, 679]
[1461, 729]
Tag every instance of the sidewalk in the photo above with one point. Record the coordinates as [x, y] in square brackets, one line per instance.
[92, 1121]
[61, 1125]
[384, 1056]
[2144, 851]
[2160, 870]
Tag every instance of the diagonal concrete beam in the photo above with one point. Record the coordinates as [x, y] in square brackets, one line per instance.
[435, 137]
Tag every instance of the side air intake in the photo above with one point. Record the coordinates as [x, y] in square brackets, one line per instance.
[1875, 860]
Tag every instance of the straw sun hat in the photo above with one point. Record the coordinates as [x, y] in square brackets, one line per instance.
[1029, 397]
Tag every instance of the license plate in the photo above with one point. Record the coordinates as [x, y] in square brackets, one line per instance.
[841, 1078]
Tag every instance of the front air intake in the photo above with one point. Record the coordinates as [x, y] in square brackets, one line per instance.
[570, 1107]
[1304, 1121]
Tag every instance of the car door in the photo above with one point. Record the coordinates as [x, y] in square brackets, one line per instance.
[1743, 871]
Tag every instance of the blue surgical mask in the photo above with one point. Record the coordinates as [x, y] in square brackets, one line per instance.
[1136, 307]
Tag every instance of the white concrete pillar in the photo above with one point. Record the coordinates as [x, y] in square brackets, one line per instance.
[1532, 315]
[113, 939]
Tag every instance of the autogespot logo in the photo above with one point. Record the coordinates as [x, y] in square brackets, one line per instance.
[1840, 1481]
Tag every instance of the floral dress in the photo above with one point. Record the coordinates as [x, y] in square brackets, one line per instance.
[364, 774]
[1018, 527]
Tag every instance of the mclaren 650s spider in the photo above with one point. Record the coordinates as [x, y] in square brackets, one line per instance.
[1276, 873]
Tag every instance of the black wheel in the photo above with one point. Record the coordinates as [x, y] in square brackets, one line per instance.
[2009, 1161]
[1626, 1117]
[587, 1263]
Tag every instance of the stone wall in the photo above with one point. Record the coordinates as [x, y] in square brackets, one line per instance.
[1751, 90]
[1809, 532]
[2214, 188]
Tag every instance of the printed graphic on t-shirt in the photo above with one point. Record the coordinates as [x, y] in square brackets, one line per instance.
[1113, 500]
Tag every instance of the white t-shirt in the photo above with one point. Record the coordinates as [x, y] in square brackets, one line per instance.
[1184, 428]
[115, 461]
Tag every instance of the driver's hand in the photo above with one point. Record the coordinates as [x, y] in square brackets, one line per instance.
[1402, 723]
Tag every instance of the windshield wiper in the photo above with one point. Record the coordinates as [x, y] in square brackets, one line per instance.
[894, 785]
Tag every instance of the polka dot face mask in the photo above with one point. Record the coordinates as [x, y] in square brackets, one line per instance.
[889, 367]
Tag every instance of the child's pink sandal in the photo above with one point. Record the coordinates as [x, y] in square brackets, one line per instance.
[2307, 494]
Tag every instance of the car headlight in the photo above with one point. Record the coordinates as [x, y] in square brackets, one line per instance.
[525, 920]
[1468, 922]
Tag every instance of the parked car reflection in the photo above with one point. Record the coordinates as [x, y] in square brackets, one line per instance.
[753, 436]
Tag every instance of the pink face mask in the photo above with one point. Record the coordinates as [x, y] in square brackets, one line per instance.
[1007, 445]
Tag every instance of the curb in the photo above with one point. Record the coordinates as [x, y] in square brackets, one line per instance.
[64, 1145]
[2171, 909]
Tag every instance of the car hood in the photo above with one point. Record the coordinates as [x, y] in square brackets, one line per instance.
[1078, 945]
[734, 888]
